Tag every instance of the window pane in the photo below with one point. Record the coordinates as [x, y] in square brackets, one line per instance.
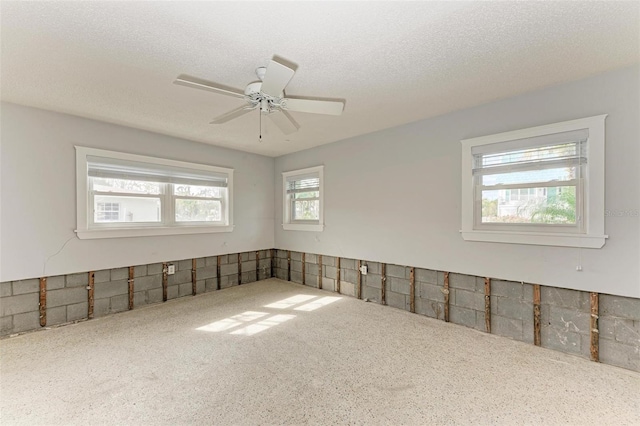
[306, 210]
[544, 175]
[109, 208]
[198, 211]
[126, 186]
[539, 154]
[198, 191]
[553, 205]
[310, 194]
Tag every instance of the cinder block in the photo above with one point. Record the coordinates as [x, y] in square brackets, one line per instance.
[248, 277]
[398, 285]
[311, 258]
[328, 260]
[370, 293]
[139, 299]
[296, 266]
[429, 291]
[200, 262]
[206, 272]
[101, 307]
[185, 289]
[19, 304]
[607, 328]
[5, 289]
[110, 289]
[264, 273]
[397, 271]
[373, 268]
[628, 331]
[229, 281]
[330, 271]
[311, 268]
[281, 273]
[328, 284]
[224, 259]
[147, 282]
[311, 280]
[346, 263]
[173, 292]
[180, 277]
[462, 316]
[281, 254]
[426, 276]
[184, 265]
[560, 340]
[296, 255]
[120, 303]
[464, 282]
[57, 282]
[139, 271]
[249, 265]
[101, 276]
[620, 355]
[26, 286]
[513, 308]
[397, 300]
[26, 321]
[118, 274]
[282, 264]
[350, 275]
[154, 269]
[76, 280]
[229, 269]
[372, 280]
[506, 327]
[430, 308]
[467, 299]
[57, 315]
[154, 295]
[569, 319]
[77, 311]
[6, 325]
[348, 289]
[616, 306]
[201, 286]
[210, 261]
[510, 289]
[296, 277]
[66, 296]
[564, 297]
[527, 292]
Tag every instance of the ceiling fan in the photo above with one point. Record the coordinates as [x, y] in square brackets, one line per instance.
[267, 95]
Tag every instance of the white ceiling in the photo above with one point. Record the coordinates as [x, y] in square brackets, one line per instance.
[393, 62]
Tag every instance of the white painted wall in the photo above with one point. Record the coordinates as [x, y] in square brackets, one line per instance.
[38, 199]
[394, 195]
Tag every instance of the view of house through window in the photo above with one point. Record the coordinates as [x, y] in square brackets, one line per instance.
[305, 198]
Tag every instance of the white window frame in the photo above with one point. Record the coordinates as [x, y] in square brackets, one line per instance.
[287, 223]
[591, 233]
[87, 229]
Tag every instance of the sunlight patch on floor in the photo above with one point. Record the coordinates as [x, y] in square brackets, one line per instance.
[233, 321]
[256, 328]
[290, 301]
[319, 303]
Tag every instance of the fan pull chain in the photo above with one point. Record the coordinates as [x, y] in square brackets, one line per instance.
[260, 124]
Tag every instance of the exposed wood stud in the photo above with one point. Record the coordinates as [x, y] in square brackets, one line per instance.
[218, 277]
[194, 277]
[487, 305]
[91, 287]
[239, 268]
[131, 271]
[445, 290]
[320, 271]
[383, 279]
[338, 275]
[304, 262]
[536, 314]
[359, 289]
[257, 266]
[412, 290]
[165, 275]
[595, 331]
[289, 265]
[43, 301]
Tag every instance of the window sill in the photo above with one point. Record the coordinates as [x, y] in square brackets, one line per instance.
[302, 227]
[541, 239]
[149, 232]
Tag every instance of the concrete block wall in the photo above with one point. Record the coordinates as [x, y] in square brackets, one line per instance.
[67, 296]
[565, 314]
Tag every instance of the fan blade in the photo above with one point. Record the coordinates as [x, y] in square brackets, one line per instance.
[284, 121]
[313, 106]
[276, 79]
[197, 83]
[231, 115]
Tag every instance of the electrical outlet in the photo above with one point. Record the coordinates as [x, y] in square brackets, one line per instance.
[171, 269]
[363, 269]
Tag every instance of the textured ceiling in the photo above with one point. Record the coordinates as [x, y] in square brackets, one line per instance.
[393, 62]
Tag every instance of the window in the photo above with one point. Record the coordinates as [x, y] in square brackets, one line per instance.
[302, 194]
[126, 195]
[543, 185]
